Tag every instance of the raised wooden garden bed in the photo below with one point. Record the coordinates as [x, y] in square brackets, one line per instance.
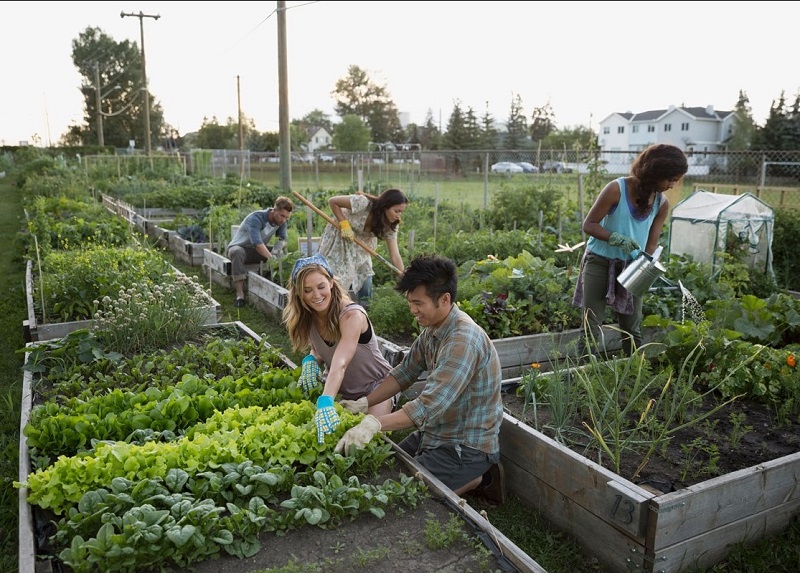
[631, 528]
[35, 330]
[500, 545]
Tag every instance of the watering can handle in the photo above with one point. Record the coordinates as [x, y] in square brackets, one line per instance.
[657, 253]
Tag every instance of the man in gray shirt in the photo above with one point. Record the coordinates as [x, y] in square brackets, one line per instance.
[249, 244]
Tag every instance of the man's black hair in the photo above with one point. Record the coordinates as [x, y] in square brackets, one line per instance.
[437, 273]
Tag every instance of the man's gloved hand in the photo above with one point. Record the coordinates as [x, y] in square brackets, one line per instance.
[346, 230]
[277, 249]
[326, 417]
[359, 436]
[311, 374]
[359, 406]
[627, 244]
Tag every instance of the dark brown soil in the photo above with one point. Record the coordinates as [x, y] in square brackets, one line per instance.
[690, 456]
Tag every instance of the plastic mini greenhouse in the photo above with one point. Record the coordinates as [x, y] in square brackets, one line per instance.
[705, 224]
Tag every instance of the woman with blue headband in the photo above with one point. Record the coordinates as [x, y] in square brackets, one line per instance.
[344, 356]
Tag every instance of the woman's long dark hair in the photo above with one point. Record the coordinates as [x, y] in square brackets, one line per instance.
[657, 163]
[379, 225]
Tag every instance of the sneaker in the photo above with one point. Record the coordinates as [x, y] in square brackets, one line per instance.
[493, 488]
[239, 303]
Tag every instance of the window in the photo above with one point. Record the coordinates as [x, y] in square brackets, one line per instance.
[651, 128]
[685, 126]
[606, 130]
[634, 129]
[667, 127]
[621, 129]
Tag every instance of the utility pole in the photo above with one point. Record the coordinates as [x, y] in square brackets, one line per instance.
[241, 128]
[141, 17]
[283, 103]
[100, 141]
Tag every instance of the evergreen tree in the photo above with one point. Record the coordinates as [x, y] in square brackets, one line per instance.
[516, 127]
[430, 137]
[456, 136]
[775, 135]
[744, 128]
[488, 130]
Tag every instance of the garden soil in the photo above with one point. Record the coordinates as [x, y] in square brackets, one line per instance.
[397, 542]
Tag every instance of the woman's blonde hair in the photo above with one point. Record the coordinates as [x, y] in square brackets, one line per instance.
[297, 316]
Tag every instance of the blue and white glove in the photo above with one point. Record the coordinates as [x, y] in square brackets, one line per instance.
[326, 417]
[311, 374]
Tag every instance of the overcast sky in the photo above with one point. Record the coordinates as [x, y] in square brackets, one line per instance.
[586, 59]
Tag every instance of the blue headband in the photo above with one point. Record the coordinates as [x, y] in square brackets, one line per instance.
[312, 260]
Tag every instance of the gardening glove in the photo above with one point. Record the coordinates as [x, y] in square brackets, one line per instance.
[311, 374]
[326, 417]
[627, 244]
[346, 230]
[277, 250]
[360, 435]
[359, 406]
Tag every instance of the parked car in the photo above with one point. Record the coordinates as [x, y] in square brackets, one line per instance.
[528, 167]
[556, 167]
[506, 167]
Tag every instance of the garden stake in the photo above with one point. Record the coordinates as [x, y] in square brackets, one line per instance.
[333, 222]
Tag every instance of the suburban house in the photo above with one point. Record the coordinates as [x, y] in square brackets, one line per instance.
[696, 130]
[318, 138]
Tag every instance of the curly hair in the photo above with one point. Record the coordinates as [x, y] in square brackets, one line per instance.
[378, 205]
[298, 317]
[659, 162]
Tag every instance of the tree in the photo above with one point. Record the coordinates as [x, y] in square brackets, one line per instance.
[542, 122]
[456, 136]
[352, 134]
[578, 138]
[744, 128]
[315, 118]
[118, 65]
[488, 130]
[213, 135]
[775, 135]
[517, 126]
[356, 94]
[430, 137]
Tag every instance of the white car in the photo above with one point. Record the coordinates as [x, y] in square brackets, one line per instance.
[528, 167]
[506, 167]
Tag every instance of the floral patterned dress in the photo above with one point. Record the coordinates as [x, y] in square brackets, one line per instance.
[351, 264]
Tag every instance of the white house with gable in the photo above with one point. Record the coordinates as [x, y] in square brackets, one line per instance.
[696, 130]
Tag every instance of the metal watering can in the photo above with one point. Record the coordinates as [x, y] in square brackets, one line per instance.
[640, 274]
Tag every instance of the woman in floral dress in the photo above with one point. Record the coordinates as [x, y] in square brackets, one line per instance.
[366, 218]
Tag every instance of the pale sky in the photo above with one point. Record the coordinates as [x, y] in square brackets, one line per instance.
[586, 59]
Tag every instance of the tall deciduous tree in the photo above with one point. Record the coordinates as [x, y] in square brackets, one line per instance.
[357, 94]
[352, 134]
[118, 67]
[517, 126]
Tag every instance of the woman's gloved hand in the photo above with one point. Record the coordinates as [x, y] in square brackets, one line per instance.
[326, 417]
[627, 244]
[360, 435]
[311, 374]
[346, 230]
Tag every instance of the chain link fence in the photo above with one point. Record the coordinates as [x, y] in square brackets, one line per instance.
[773, 176]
